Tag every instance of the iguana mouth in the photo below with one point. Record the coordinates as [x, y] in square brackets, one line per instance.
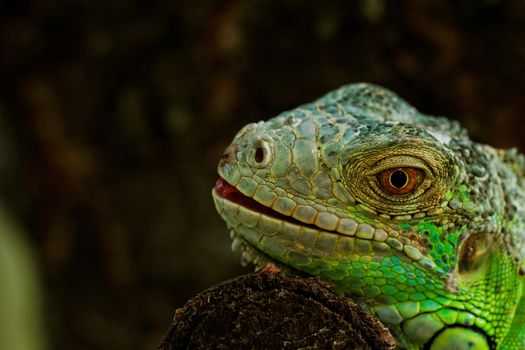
[231, 193]
[251, 253]
[253, 221]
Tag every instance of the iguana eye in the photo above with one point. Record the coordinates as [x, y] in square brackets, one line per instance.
[400, 181]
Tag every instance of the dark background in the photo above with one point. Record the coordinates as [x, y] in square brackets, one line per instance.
[114, 114]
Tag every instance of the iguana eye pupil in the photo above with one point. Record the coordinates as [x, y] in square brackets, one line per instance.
[400, 181]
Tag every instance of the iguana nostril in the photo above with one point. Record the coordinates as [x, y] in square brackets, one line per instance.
[260, 154]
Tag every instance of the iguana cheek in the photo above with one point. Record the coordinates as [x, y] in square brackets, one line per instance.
[460, 338]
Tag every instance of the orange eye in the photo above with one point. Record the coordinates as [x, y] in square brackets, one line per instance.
[400, 181]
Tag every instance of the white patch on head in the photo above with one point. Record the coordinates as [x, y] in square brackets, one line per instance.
[443, 138]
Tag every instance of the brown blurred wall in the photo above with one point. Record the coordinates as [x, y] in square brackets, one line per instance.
[113, 116]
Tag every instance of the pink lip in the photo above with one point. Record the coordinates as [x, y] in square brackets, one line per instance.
[229, 192]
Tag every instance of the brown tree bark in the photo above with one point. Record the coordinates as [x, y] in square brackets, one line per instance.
[269, 310]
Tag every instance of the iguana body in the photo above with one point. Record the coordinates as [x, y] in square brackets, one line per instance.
[399, 210]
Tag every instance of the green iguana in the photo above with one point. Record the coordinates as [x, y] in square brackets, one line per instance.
[399, 210]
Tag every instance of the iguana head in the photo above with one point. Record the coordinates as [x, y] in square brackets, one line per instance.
[399, 210]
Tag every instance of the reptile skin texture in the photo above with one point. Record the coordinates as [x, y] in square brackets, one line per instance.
[399, 210]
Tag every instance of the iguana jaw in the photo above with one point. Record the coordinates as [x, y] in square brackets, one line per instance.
[225, 190]
[295, 243]
[320, 221]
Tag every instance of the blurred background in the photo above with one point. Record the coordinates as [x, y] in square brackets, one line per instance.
[113, 116]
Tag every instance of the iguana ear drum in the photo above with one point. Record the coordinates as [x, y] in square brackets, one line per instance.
[474, 253]
[459, 338]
